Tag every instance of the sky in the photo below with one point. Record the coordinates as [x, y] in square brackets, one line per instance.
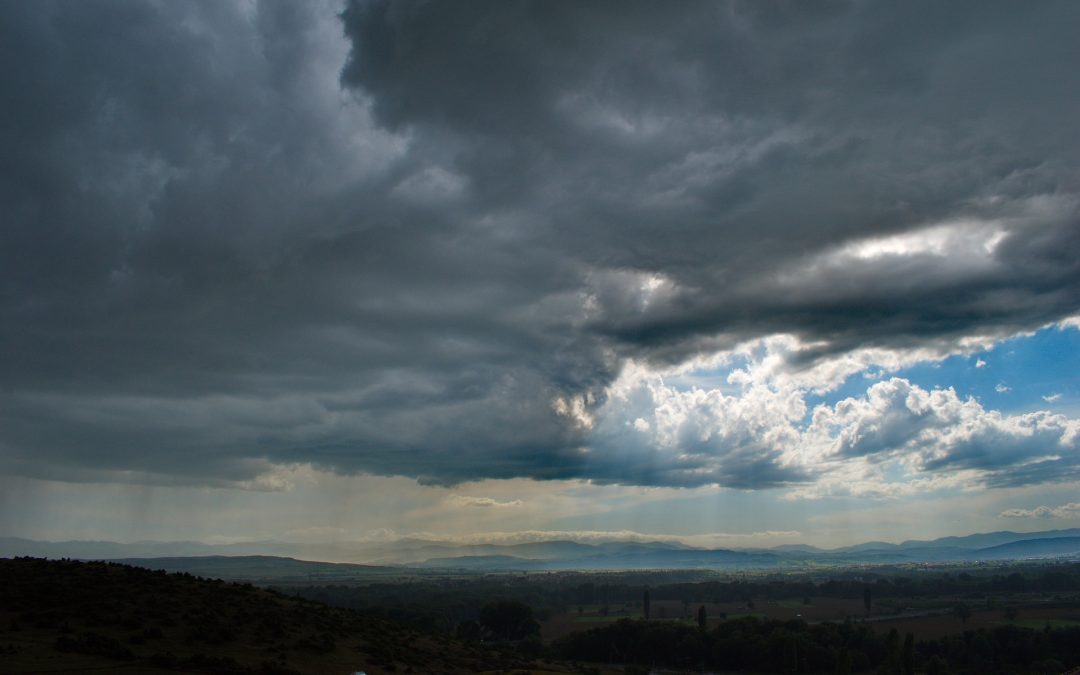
[733, 273]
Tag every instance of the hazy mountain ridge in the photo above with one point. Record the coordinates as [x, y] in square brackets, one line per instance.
[543, 555]
[1034, 548]
[988, 539]
[260, 567]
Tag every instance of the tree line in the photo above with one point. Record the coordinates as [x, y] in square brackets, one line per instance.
[767, 646]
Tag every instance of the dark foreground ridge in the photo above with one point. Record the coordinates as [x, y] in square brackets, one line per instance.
[68, 616]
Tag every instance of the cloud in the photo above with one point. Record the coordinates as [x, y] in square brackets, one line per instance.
[1050, 398]
[433, 240]
[896, 439]
[650, 433]
[1001, 388]
[485, 502]
[937, 432]
[705, 540]
[979, 363]
[1070, 510]
[684, 140]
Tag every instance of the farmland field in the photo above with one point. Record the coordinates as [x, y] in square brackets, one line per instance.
[933, 618]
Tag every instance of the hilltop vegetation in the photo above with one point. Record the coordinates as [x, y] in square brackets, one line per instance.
[68, 616]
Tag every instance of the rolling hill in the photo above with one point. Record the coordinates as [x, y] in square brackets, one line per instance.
[70, 616]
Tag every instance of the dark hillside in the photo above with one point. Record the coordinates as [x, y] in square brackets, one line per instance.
[68, 616]
[1034, 548]
[262, 569]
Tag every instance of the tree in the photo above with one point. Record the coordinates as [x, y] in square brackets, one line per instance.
[892, 654]
[509, 620]
[791, 655]
[702, 618]
[936, 666]
[866, 599]
[843, 662]
[907, 656]
[470, 631]
[646, 605]
[962, 612]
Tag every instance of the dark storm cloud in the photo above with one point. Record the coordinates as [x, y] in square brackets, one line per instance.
[214, 256]
[721, 143]
[215, 259]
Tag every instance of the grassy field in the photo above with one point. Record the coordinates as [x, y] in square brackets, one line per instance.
[820, 609]
[1037, 624]
[597, 618]
[931, 627]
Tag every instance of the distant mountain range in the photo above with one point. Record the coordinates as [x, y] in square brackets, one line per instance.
[416, 554]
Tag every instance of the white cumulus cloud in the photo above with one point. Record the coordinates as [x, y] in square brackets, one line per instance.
[1070, 510]
[485, 502]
